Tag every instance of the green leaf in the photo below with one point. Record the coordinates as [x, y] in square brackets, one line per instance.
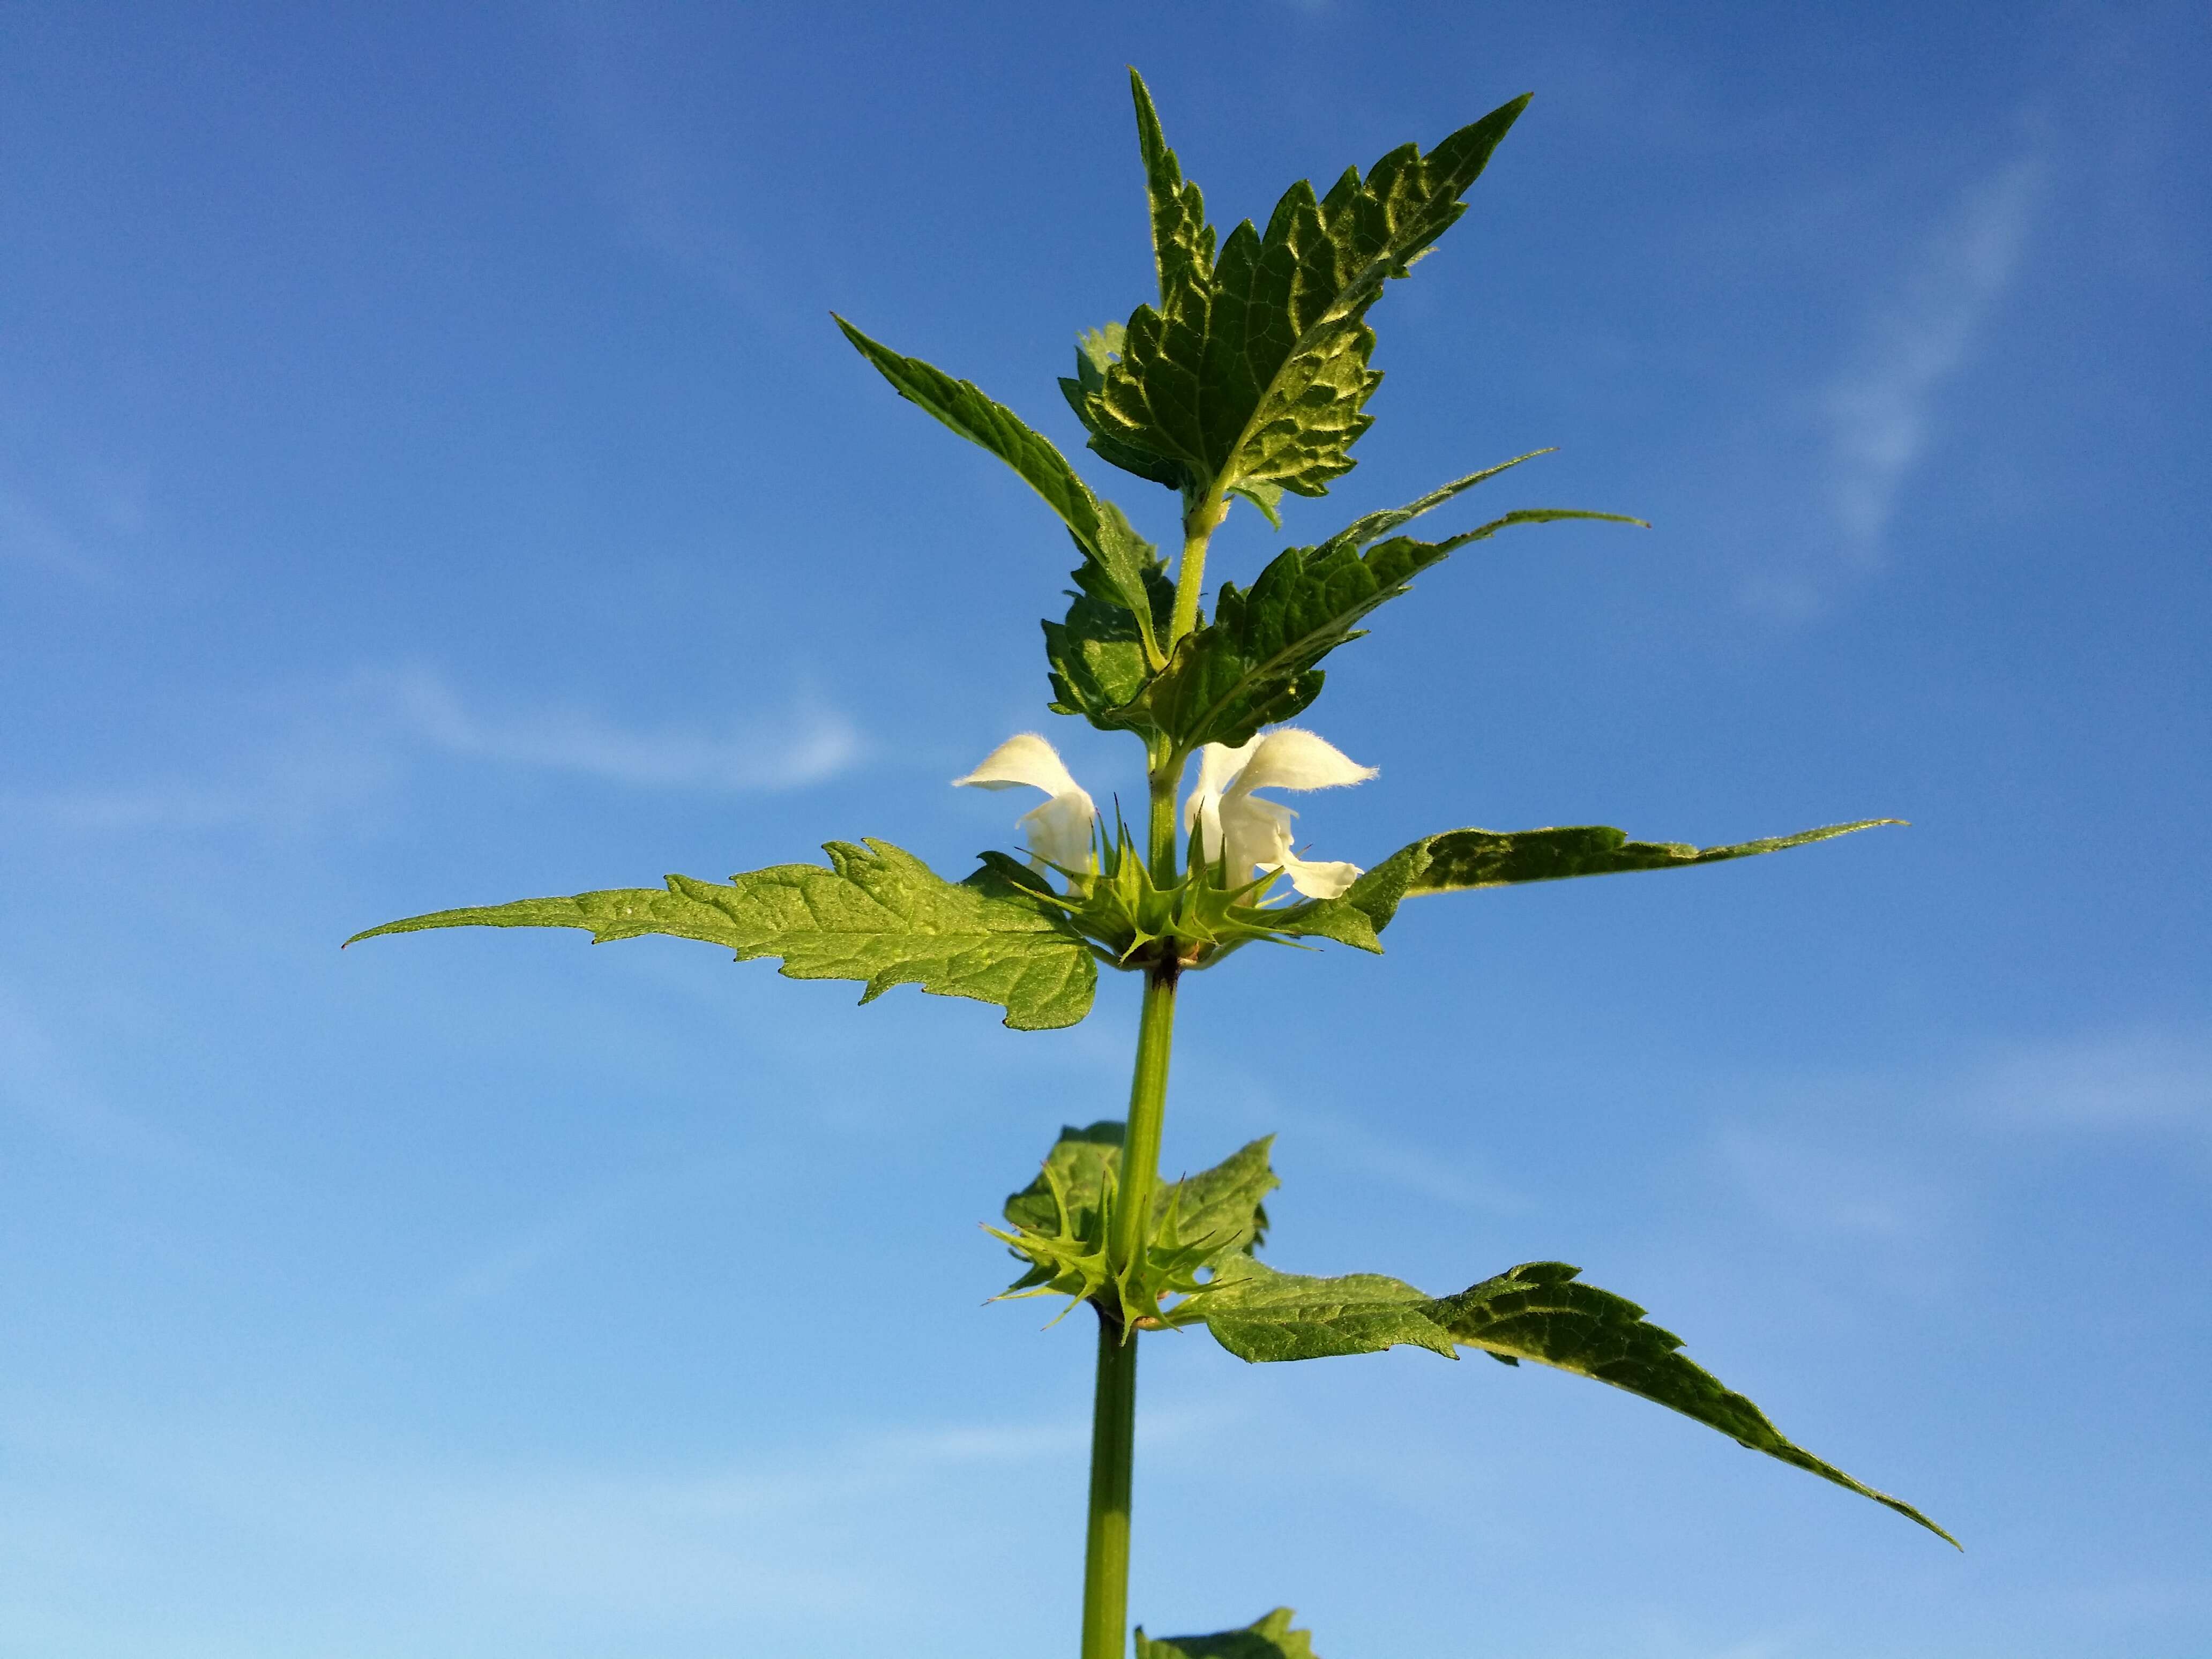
[1535, 1311]
[878, 915]
[1268, 497]
[1255, 662]
[1063, 1219]
[1252, 369]
[976, 416]
[1103, 654]
[1095, 352]
[1262, 1315]
[1220, 1206]
[1373, 527]
[1458, 860]
[1122, 557]
[1094, 658]
[1270, 1637]
[1538, 1311]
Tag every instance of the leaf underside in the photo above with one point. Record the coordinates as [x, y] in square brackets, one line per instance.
[1257, 663]
[1268, 1638]
[1461, 860]
[1537, 1311]
[1221, 1206]
[876, 914]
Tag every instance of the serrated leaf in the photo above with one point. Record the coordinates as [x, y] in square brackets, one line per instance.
[1122, 557]
[1220, 1206]
[1536, 1311]
[878, 915]
[1256, 663]
[1094, 659]
[1268, 1638]
[1101, 657]
[1252, 369]
[1095, 352]
[1460, 860]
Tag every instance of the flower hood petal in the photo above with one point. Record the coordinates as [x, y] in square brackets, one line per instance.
[1218, 766]
[1058, 832]
[1289, 758]
[1024, 758]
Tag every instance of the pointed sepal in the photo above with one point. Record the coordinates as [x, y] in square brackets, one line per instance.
[1062, 1220]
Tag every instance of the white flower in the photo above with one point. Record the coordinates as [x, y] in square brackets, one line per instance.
[1222, 808]
[1059, 830]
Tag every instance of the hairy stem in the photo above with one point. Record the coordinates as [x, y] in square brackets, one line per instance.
[1113, 1411]
[1198, 527]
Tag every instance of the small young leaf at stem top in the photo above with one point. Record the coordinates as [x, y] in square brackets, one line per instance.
[1268, 1638]
[878, 915]
[1535, 1311]
[1460, 860]
[1251, 372]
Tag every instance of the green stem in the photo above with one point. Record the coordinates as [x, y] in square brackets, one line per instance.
[1113, 1411]
[1198, 527]
[1113, 1451]
[1161, 778]
[1148, 1100]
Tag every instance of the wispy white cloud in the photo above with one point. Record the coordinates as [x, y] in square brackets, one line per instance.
[805, 742]
[1846, 1178]
[2137, 1082]
[1880, 414]
[792, 1529]
[1870, 426]
[1817, 1189]
[290, 767]
[1426, 1170]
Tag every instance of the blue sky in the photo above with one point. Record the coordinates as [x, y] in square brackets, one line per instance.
[429, 476]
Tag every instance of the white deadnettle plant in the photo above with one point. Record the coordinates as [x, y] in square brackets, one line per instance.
[1269, 403]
